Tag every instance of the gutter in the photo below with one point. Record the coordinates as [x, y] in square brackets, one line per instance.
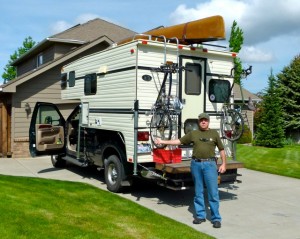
[48, 39]
[66, 40]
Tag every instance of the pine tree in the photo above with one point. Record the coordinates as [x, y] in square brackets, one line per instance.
[235, 44]
[270, 132]
[289, 89]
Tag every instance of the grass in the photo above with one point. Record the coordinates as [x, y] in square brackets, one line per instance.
[281, 161]
[41, 208]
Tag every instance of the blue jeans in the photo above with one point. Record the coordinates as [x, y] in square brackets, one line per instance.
[206, 173]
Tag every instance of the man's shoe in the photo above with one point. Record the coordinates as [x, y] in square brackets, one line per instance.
[198, 220]
[216, 224]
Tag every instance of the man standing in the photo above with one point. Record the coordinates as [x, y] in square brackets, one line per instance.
[204, 168]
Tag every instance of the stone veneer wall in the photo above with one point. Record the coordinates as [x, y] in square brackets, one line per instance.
[20, 148]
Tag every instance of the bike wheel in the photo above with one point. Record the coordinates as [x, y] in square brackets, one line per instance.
[160, 127]
[232, 125]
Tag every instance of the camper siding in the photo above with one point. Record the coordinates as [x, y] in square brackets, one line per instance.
[153, 57]
[119, 84]
[101, 63]
[116, 90]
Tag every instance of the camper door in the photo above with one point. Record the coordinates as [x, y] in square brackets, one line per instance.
[192, 88]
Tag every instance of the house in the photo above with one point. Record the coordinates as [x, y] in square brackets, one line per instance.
[241, 97]
[38, 78]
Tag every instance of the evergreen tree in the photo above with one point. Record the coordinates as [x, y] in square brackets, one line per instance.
[289, 88]
[9, 70]
[235, 44]
[270, 132]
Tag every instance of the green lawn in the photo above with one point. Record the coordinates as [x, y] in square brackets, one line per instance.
[282, 161]
[40, 208]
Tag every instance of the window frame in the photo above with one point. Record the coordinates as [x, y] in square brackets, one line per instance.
[216, 98]
[72, 79]
[40, 59]
[90, 84]
[187, 82]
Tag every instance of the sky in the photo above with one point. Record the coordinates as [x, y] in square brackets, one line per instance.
[271, 27]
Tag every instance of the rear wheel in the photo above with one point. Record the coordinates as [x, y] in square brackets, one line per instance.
[160, 127]
[57, 161]
[232, 125]
[114, 174]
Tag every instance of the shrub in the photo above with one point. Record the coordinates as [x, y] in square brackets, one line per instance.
[246, 137]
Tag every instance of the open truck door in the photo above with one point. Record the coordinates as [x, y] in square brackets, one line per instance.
[46, 132]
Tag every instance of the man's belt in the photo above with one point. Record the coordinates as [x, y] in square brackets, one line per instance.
[204, 160]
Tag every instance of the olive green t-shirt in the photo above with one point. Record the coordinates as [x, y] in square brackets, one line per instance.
[204, 142]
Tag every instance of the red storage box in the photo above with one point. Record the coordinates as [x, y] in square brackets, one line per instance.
[167, 156]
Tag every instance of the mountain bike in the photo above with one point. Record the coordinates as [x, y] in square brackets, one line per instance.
[166, 108]
[232, 123]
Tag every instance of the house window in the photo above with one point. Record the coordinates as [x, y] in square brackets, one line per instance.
[90, 84]
[219, 91]
[193, 79]
[71, 78]
[40, 60]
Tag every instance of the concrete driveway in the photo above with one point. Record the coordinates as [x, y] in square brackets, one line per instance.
[262, 206]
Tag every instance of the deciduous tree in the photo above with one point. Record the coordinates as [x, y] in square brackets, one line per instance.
[9, 70]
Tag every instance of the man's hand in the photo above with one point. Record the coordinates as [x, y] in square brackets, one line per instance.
[222, 168]
[158, 141]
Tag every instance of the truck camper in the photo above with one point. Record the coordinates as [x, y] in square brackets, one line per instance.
[147, 87]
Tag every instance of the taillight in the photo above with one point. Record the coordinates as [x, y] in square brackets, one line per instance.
[228, 133]
[143, 136]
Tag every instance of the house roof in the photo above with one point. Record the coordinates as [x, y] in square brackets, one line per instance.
[80, 34]
[244, 94]
[91, 30]
[84, 36]
[10, 87]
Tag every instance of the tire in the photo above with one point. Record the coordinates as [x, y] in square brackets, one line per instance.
[57, 161]
[232, 125]
[114, 173]
[160, 127]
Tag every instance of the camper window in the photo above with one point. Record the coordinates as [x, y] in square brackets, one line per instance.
[90, 84]
[71, 78]
[193, 79]
[219, 90]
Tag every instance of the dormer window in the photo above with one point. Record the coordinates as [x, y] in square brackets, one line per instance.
[39, 60]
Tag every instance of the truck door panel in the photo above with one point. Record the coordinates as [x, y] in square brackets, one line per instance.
[49, 137]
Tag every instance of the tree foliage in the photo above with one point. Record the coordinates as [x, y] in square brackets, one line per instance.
[9, 70]
[270, 132]
[289, 89]
[246, 136]
[235, 44]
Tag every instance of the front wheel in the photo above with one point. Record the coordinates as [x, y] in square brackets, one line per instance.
[232, 125]
[160, 127]
[57, 161]
[114, 173]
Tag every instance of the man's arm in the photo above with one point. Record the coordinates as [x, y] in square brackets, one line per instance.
[168, 142]
[222, 168]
